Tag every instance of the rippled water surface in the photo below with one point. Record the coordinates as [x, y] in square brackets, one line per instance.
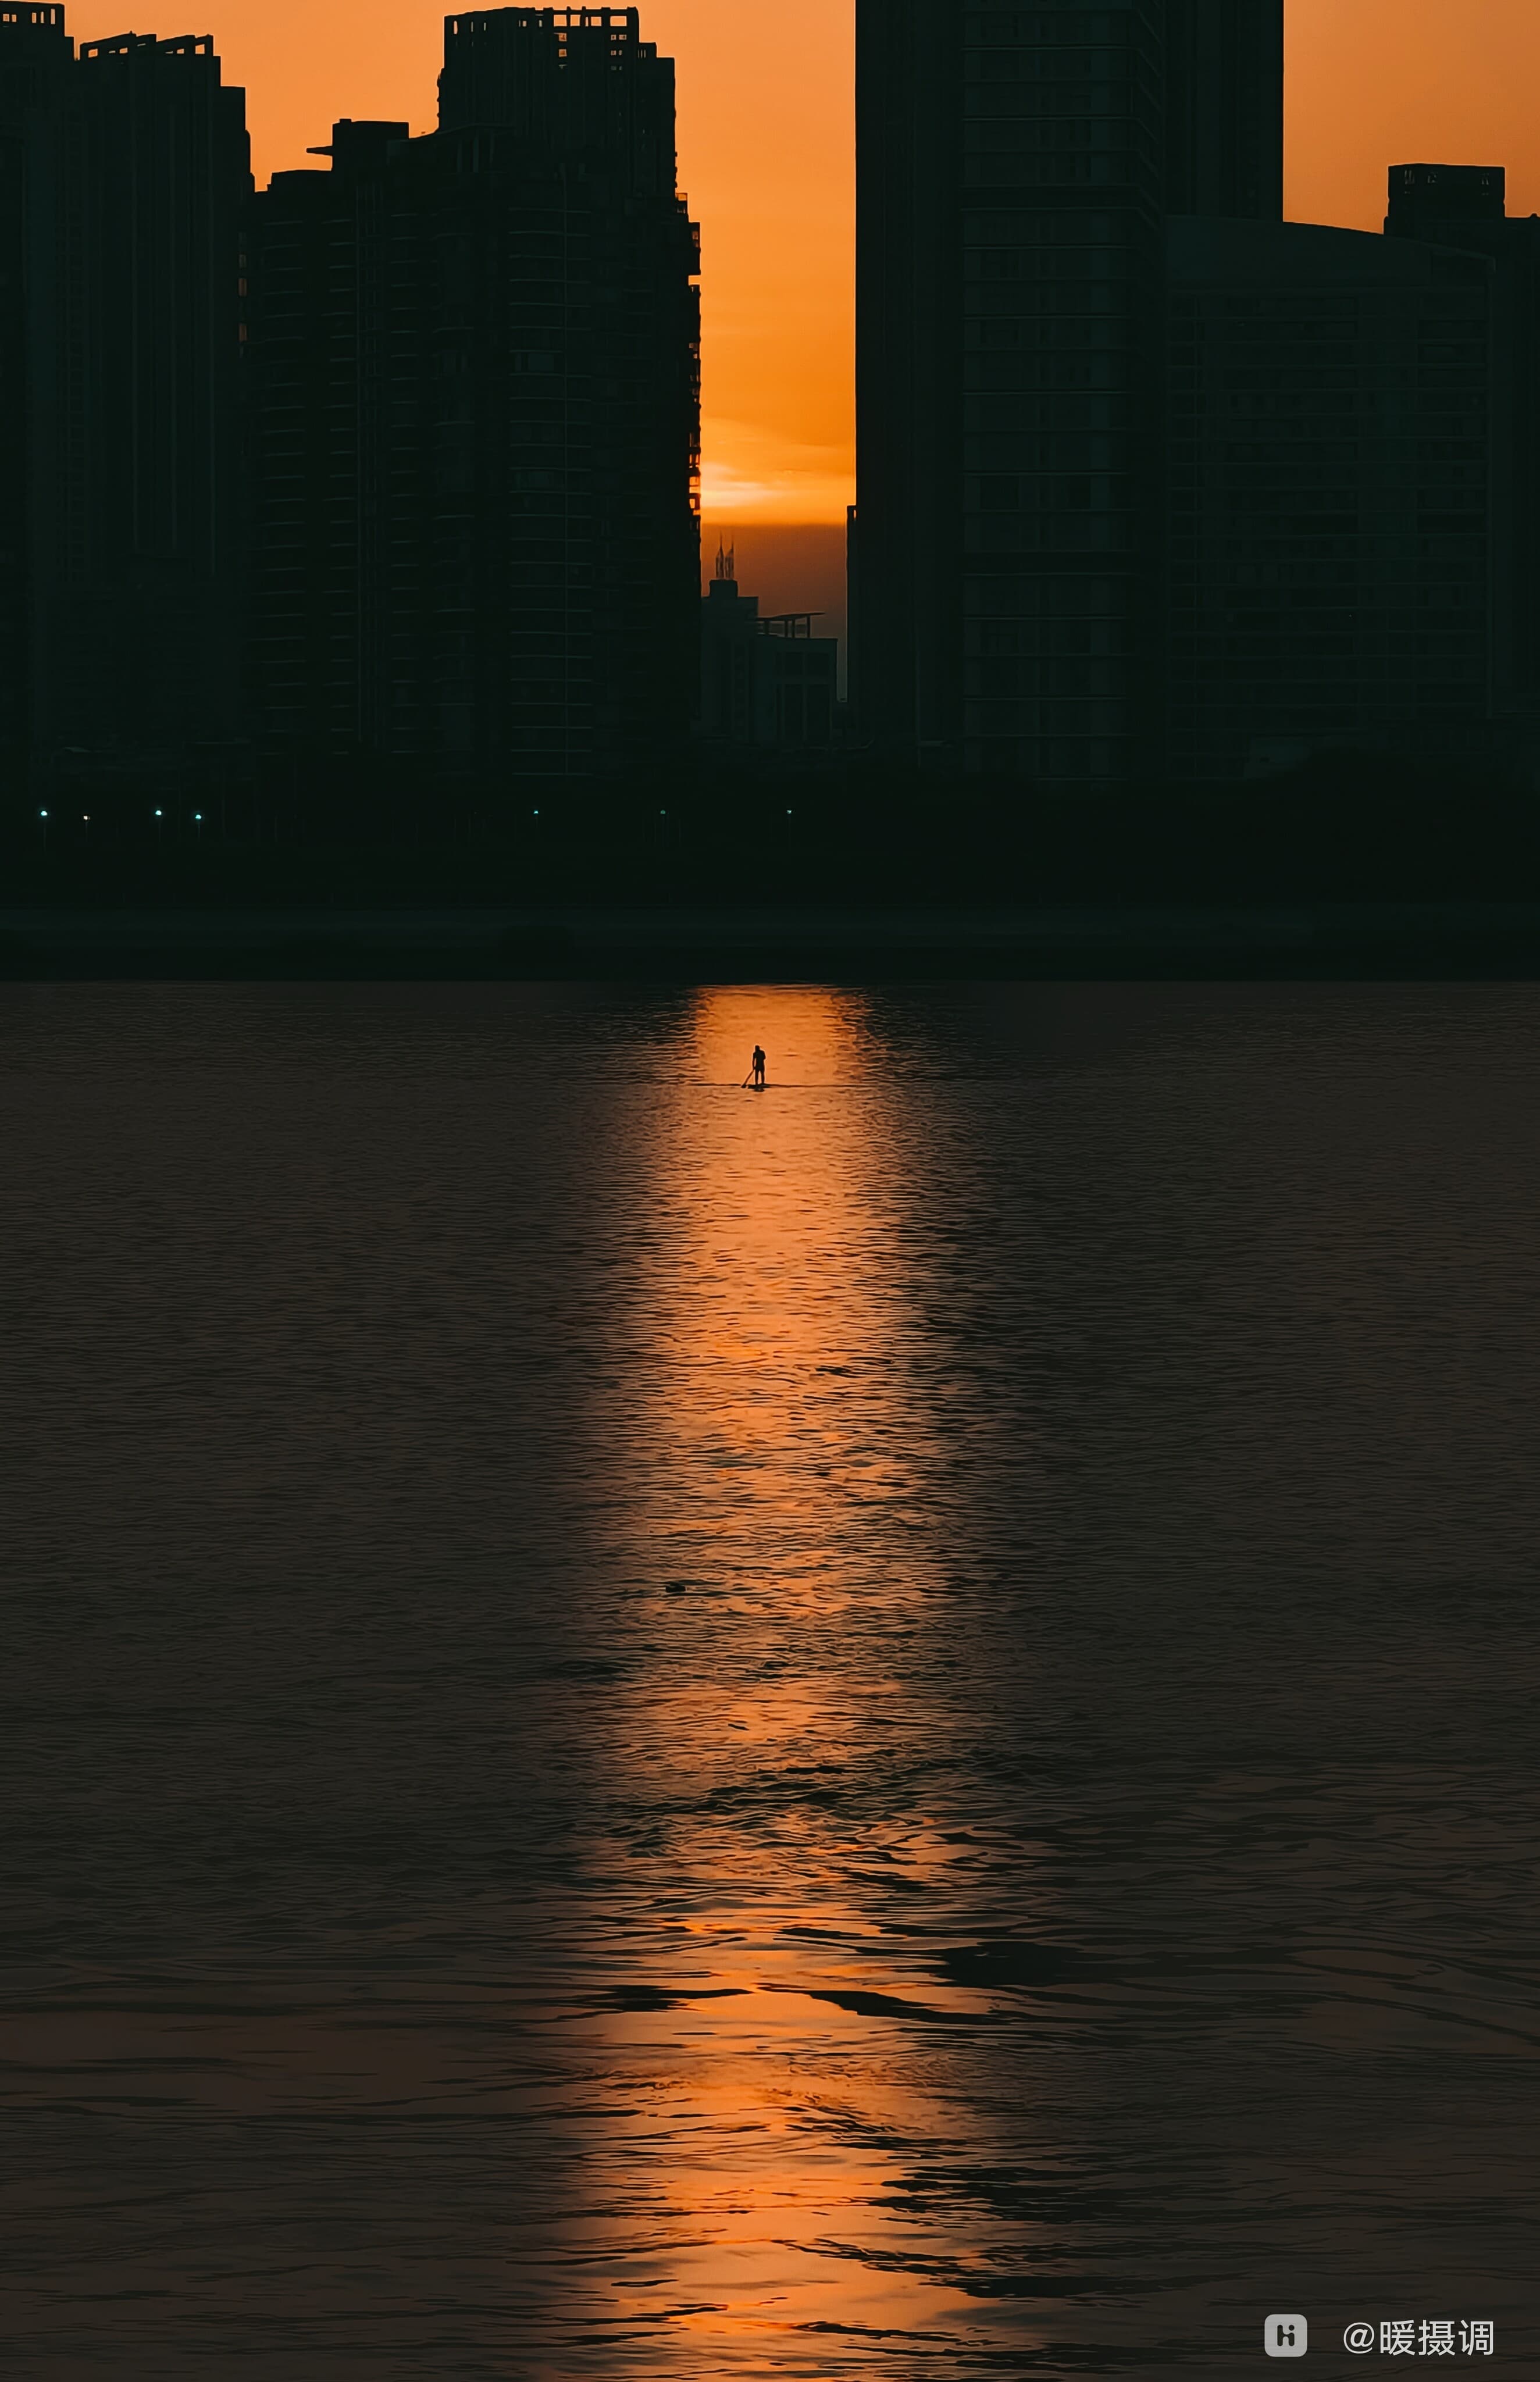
[885, 1729]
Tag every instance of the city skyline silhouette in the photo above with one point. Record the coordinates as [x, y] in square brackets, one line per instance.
[1152, 484]
[1366, 85]
[770, 995]
[382, 479]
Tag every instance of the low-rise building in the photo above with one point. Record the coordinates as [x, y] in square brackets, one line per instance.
[768, 685]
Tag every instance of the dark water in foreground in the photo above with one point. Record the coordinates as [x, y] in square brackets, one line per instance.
[888, 1730]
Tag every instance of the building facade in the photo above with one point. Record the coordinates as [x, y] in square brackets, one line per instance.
[1464, 207]
[1225, 110]
[1330, 478]
[125, 178]
[1015, 169]
[476, 409]
[1151, 485]
[36, 66]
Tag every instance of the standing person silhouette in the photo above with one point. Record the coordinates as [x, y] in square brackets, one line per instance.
[758, 1069]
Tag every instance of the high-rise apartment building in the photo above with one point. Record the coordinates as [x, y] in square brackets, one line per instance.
[1225, 110]
[475, 422]
[1464, 207]
[36, 61]
[1152, 484]
[1330, 477]
[1015, 167]
[124, 177]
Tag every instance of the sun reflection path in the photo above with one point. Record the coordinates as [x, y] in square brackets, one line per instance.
[780, 2040]
[780, 1301]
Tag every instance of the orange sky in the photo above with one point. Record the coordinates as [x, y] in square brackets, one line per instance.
[765, 109]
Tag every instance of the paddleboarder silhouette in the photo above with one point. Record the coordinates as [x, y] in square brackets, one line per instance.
[757, 1073]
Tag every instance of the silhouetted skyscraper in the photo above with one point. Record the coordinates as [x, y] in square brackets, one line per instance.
[36, 60]
[1014, 168]
[1330, 477]
[477, 410]
[125, 175]
[1464, 207]
[1224, 108]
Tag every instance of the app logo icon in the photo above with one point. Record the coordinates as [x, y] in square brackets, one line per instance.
[1286, 2336]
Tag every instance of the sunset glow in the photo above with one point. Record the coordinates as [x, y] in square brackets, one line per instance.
[776, 1271]
[765, 109]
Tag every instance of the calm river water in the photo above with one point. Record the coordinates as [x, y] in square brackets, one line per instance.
[887, 1729]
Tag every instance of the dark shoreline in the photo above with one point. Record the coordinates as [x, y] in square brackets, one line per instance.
[1414, 941]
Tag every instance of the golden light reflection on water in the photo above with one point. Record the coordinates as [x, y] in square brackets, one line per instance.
[665, 1734]
[782, 1464]
[780, 1299]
